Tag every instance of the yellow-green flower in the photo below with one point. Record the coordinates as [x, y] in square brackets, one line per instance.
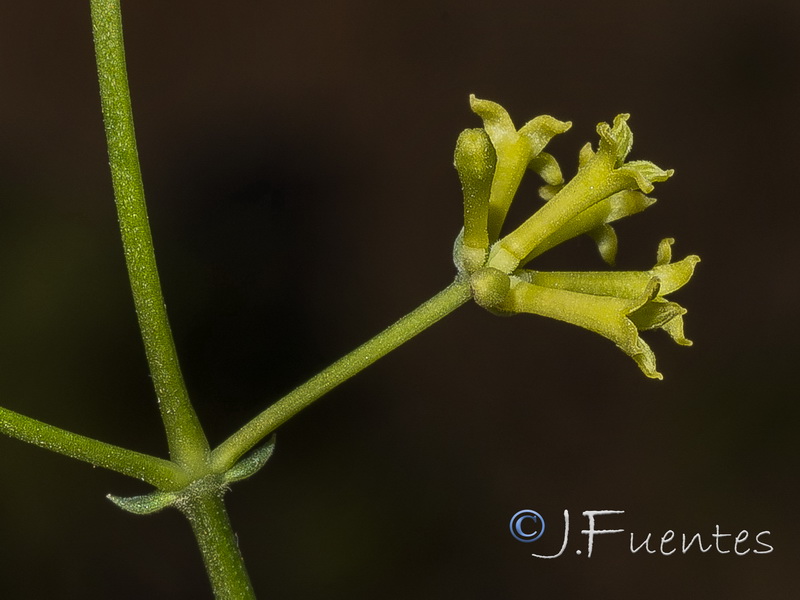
[601, 176]
[491, 163]
[617, 305]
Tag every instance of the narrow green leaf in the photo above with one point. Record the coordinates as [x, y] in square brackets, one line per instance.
[251, 463]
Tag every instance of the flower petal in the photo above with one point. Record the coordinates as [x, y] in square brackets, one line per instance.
[540, 130]
[672, 276]
[664, 252]
[674, 328]
[661, 314]
[606, 239]
[546, 192]
[496, 121]
[645, 359]
[546, 166]
[641, 174]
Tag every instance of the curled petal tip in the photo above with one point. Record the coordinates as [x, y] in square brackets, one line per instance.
[545, 123]
[496, 120]
[616, 139]
[647, 369]
[546, 166]
[644, 174]
[643, 356]
[606, 239]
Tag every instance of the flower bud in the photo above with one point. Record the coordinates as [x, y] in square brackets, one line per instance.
[475, 161]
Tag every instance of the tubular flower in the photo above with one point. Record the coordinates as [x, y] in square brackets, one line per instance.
[491, 163]
[618, 305]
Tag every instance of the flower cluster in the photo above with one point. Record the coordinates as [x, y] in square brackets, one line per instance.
[491, 162]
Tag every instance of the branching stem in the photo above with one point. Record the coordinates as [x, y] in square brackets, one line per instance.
[443, 303]
[161, 473]
[187, 442]
[191, 460]
[188, 447]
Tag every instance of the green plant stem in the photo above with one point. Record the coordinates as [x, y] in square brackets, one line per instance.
[187, 442]
[443, 303]
[161, 473]
[217, 542]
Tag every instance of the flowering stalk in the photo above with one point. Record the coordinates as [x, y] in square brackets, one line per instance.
[188, 446]
[187, 442]
[491, 162]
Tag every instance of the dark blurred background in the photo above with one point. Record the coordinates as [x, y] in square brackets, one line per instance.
[298, 164]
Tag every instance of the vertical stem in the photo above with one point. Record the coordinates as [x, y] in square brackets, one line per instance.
[217, 542]
[187, 442]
